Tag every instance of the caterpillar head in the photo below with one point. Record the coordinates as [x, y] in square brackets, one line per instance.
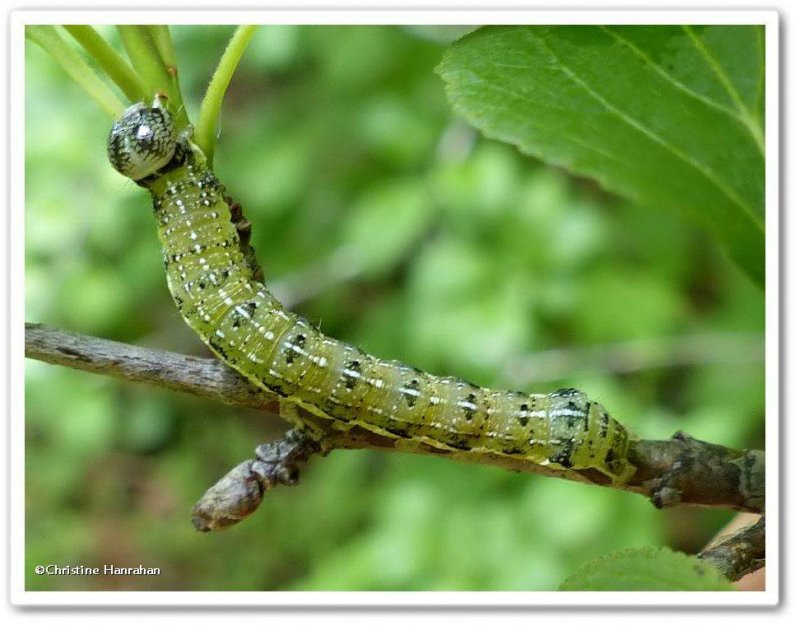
[142, 141]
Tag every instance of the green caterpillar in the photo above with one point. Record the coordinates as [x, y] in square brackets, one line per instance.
[216, 292]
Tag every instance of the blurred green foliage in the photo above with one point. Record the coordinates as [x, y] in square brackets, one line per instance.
[392, 224]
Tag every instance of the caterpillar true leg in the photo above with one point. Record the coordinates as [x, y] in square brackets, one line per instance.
[215, 288]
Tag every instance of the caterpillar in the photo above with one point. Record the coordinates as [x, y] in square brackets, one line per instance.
[212, 280]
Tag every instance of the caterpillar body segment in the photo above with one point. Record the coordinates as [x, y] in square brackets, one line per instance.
[216, 291]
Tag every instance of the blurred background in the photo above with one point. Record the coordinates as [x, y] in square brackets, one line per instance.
[393, 225]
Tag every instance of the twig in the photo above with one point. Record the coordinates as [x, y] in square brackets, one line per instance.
[739, 554]
[237, 494]
[680, 471]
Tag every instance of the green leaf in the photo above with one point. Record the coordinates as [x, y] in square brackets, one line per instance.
[669, 116]
[646, 569]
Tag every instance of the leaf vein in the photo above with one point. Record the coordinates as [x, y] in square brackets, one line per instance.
[654, 137]
[742, 116]
[750, 122]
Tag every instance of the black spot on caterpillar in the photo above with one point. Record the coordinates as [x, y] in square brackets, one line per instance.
[217, 287]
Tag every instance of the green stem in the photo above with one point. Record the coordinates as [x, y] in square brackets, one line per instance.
[166, 49]
[163, 40]
[78, 69]
[112, 62]
[205, 133]
[146, 58]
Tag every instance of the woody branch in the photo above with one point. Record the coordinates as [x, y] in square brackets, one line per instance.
[677, 471]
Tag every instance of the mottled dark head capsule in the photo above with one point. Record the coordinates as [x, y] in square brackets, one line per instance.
[142, 141]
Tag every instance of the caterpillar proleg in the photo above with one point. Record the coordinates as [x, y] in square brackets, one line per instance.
[218, 295]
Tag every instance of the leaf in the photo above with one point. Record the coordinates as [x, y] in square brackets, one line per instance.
[646, 569]
[669, 116]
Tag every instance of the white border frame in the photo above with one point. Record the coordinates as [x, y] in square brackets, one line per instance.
[18, 594]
